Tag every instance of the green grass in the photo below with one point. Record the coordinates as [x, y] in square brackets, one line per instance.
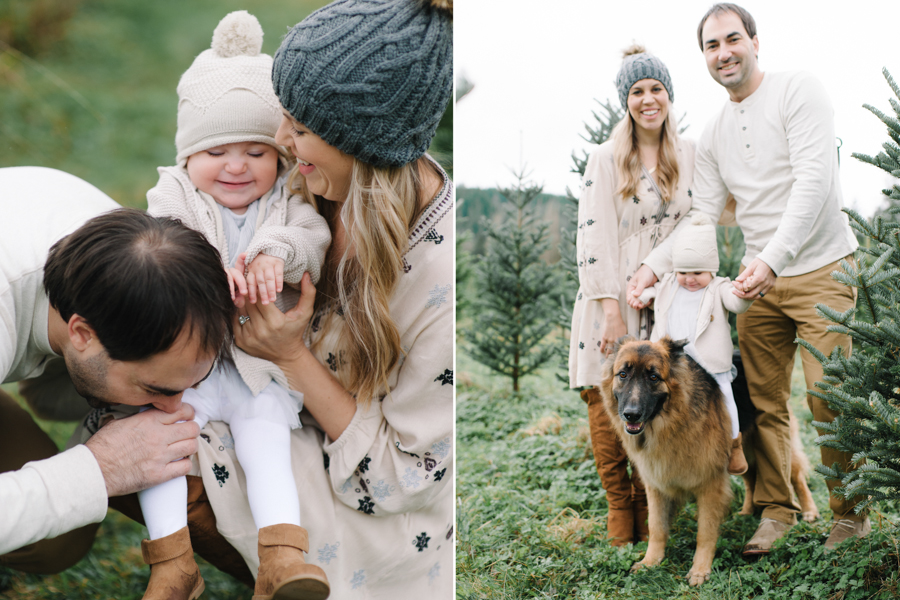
[531, 514]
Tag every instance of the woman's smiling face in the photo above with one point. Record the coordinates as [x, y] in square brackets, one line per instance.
[648, 104]
[326, 169]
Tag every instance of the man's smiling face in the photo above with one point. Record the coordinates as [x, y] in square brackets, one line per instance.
[731, 54]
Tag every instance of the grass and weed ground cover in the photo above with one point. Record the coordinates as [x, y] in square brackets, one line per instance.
[531, 514]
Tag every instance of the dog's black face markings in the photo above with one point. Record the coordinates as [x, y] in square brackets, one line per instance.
[639, 389]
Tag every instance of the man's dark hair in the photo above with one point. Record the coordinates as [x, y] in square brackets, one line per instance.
[726, 7]
[138, 281]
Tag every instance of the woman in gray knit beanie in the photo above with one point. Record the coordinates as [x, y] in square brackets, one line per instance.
[636, 188]
[363, 85]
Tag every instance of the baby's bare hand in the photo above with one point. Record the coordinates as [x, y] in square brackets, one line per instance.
[236, 280]
[265, 276]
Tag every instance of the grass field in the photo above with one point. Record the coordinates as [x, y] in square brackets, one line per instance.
[531, 514]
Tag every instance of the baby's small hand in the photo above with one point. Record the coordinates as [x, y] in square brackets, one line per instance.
[236, 279]
[265, 274]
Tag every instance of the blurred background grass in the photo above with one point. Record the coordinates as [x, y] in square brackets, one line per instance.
[88, 87]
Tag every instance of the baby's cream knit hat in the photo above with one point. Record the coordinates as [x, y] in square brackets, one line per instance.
[695, 248]
[226, 95]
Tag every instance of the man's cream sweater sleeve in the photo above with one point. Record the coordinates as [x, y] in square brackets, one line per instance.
[47, 498]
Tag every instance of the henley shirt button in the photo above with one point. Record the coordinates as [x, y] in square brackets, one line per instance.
[748, 145]
[742, 111]
[745, 129]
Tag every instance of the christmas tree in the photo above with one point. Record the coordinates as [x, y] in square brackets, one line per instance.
[865, 388]
[513, 307]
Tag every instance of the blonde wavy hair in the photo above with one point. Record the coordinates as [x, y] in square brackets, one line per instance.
[627, 157]
[381, 208]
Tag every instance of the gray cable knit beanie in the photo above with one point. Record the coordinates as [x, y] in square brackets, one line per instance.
[226, 95]
[370, 77]
[639, 66]
[695, 248]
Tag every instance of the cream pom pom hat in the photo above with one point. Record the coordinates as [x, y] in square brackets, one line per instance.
[226, 95]
[695, 248]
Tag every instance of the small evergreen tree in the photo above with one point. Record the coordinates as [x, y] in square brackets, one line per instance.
[865, 388]
[512, 307]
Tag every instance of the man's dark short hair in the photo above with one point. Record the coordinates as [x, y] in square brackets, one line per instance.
[726, 7]
[138, 281]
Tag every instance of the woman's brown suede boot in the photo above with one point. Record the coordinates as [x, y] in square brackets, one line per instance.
[283, 572]
[737, 463]
[612, 466]
[174, 575]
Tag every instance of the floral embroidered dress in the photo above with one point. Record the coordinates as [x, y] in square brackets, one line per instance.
[614, 237]
[378, 501]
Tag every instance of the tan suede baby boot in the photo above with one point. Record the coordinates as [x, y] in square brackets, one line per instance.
[174, 575]
[283, 572]
[737, 464]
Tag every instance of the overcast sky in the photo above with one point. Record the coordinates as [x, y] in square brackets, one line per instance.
[538, 67]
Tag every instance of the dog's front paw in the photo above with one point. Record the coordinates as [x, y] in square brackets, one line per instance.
[646, 563]
[697, 576]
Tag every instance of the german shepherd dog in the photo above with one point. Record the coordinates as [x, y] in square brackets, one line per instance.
[676, 429]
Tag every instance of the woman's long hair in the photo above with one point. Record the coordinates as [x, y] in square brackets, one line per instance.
[627, 157]
[381, 208]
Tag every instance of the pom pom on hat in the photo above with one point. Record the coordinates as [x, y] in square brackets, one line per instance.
[695, 249]
[238, 33]
[226, 95]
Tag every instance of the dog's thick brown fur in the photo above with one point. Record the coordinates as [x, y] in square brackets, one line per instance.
[674, 426]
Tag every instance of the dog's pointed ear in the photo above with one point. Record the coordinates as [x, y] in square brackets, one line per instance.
[674, 347]
[621, 342]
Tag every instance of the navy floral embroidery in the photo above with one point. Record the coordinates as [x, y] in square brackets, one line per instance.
[579, 295]
[588, 183]
[438, 475]
[581, 345]
[449, 533]
[221, 473]
[433, 236]
[421, 541]
[627, 279]
[445, 377]
[678, 214]
[690, 194]
[406, 266]
[590, 222]
[397, 444]
[366, 506]
[643, 220]
[364, 464]
[332, 362]
[430, 463]
[635, 199]
[316, 323]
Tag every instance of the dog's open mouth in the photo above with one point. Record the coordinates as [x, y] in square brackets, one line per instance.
[633, 428]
